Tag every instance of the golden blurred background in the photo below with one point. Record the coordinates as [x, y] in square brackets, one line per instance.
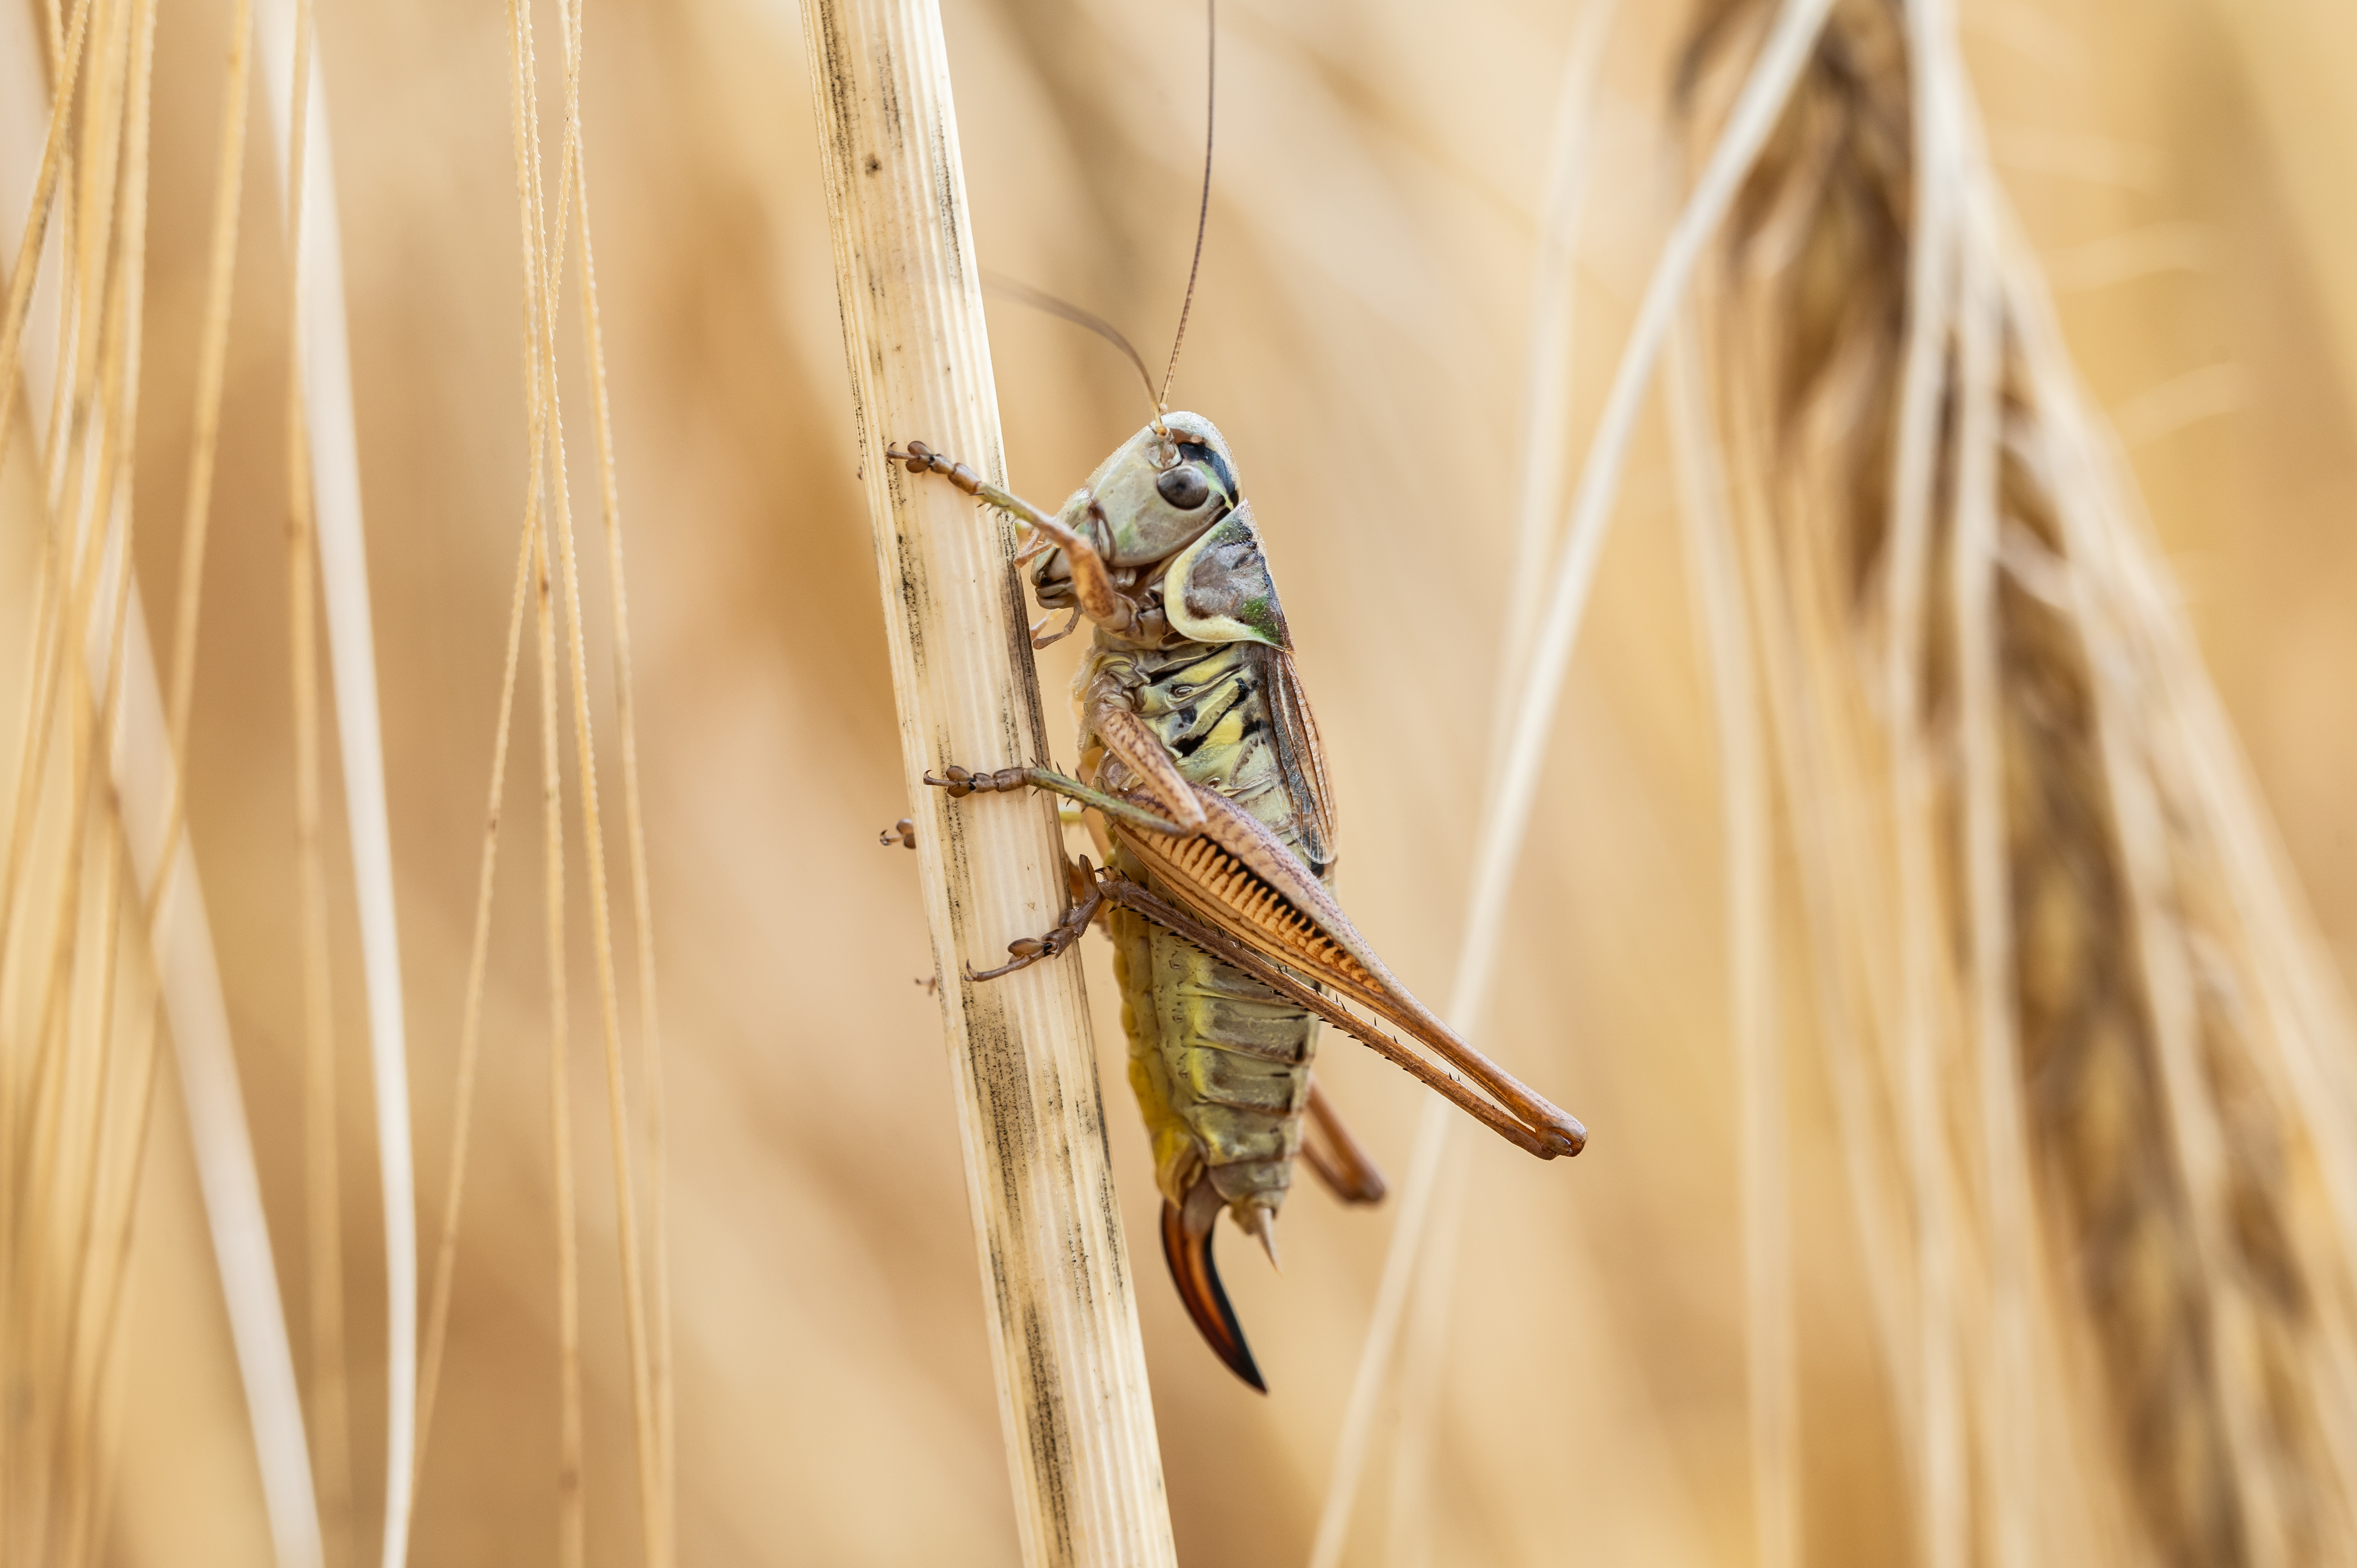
[1361, 336]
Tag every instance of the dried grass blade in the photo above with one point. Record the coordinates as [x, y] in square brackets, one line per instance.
[523, 126]
[571, 1521]
[80, 297]
[331, 1417]
[45, 184]
[1546, 434]
[470, 1025]
[651, 1053]
[143, 776]
[654, 1526]
[130, 297]
[332, 450]
[1074, 1406]
[189, 979]
[2007, 1457]
[1506, 817]
[1424, 1372]
[101, 526]
[1940, 1508]
[213, 365]
[1547, 373]
[1715, 567]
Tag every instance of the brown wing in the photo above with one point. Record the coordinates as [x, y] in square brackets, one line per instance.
[1240, 879]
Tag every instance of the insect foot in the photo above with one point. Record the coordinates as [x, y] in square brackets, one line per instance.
[962, 783]
[1088, 897]
[902, 832]
[923, 458]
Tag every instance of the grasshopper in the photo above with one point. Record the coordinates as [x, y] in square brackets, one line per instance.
[1203, 784]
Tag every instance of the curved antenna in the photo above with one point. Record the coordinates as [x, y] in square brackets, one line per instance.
[1203, 215]
[1038, 299]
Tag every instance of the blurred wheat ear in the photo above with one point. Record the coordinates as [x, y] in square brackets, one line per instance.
[2090, 1065]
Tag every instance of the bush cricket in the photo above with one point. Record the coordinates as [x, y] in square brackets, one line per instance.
[1201, 780]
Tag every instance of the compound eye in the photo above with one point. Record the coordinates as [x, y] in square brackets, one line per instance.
[1184, 487]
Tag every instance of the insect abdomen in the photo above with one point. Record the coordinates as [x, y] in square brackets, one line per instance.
[1221, 1063]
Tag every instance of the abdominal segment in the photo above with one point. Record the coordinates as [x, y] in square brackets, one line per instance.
[1221, 1065]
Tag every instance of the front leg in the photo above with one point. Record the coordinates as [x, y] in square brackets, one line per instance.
[963, 782]
[1091, 580]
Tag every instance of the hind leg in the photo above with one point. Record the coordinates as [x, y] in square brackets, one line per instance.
[1341, 1163]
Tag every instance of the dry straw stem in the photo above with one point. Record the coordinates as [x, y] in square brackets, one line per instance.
[52, 1143]
[330, 446]
[544, 246]
[1072, 1375]
[542, 250]
[1421, 1258]
[1714, 569]
[528, 572]
[324, 1253]
[572, 1523]
[1428, 1266]
[143, 775]
[2118, 1300]
[542, 277]
[1505, 822]
[1549, 359]
[22, 276]
[76, 1211]
[643, 921]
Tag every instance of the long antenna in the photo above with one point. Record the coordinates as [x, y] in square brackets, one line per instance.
[1203, 216]
[1064, 309]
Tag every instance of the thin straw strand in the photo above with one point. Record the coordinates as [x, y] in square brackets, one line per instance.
[655, 1527]
[1507, 817]
[650, 1054]
[1714, 569]
[333, 455]
[330, 1405]
[28, 249]
[572, 1520]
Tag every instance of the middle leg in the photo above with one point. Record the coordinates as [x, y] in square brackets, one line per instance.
[961, 783]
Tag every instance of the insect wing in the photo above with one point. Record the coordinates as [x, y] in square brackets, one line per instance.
[1237, 877]
[1301, 761]
[1219, 589]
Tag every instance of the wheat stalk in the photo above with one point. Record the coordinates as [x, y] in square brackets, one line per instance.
[331, 1416]
[77, 1214]
[572, 1520]
[1412, 1263]
[543, 249]
[654, 1519]
[651, 1053]
[1505, 820]
[1071, 1378]
[1549, 357]
[142, 791]
[330, 448]
[1714, 569]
